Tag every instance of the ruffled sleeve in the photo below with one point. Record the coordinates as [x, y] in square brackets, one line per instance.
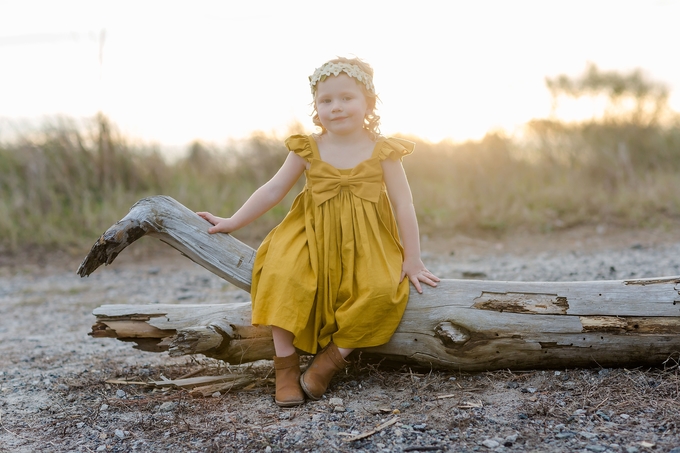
[395, 148]
[300, 145]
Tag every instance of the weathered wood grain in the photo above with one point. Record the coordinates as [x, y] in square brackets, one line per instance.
[467, 325]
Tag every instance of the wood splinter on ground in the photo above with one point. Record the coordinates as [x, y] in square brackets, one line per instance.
[371, 432]
[199, 386]
[462, 325]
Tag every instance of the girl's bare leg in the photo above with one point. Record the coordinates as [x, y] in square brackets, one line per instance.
[283, 342]
[345, 352]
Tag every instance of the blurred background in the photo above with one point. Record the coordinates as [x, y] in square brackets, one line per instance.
[528, 115]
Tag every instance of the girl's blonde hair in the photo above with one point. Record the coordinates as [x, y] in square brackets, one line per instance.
[372, 119]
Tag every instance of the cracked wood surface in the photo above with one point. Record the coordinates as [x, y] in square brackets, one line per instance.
[466, 325]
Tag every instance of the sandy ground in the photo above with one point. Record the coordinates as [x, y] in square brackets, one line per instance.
[54, 394]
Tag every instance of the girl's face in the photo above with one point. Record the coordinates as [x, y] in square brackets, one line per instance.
[341, 104]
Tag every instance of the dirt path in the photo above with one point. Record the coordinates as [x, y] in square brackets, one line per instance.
[54, 395]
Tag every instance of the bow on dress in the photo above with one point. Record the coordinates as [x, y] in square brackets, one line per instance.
[365, 181]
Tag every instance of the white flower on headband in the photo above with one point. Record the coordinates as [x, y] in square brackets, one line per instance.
[351, 70]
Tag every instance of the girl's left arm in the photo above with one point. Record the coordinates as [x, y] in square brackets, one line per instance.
[401, 199]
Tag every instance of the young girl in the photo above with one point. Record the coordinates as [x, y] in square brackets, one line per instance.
[331, 274]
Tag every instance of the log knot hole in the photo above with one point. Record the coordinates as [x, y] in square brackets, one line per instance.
[451, 335]
[516, 302]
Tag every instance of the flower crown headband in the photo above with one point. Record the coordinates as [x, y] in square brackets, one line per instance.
[351, 70]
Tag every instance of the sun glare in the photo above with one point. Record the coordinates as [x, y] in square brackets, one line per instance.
[219, 71]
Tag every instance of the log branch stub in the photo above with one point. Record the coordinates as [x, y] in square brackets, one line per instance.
[166, 219]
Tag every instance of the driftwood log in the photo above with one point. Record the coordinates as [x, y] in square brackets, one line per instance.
[462, 325]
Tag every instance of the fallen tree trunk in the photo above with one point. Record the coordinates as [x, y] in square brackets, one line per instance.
[466, 325]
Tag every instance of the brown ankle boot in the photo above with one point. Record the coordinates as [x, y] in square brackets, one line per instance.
[288, 391]
[315, 380]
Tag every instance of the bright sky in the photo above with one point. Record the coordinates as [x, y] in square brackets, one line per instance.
[172, 72]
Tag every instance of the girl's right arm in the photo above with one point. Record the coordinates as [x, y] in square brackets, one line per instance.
[263, 199]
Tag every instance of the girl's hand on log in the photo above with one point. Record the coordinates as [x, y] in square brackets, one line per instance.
[417, 272]
[220, 224]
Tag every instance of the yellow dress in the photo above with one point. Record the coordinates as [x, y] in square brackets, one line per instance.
[330, 271]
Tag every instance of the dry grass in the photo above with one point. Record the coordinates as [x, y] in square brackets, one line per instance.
[63, 185]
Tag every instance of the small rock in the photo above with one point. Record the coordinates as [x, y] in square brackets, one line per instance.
[626, 417]
[596, 448]
[564, 435]
[588, 435]
[268, 449]
[522, 416]
[79, 425]
[675, 450]
[420, 427]
[632, 450]
[101, 448]
[63, 387]
[603, 416]
[398, 433]
[119, 433]
[511, 438]
[103, 407]
[335, 401]
[512, 385]
[167, 406]
[217, 395]
[491, 444]
[339, 409]
[121, 393]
